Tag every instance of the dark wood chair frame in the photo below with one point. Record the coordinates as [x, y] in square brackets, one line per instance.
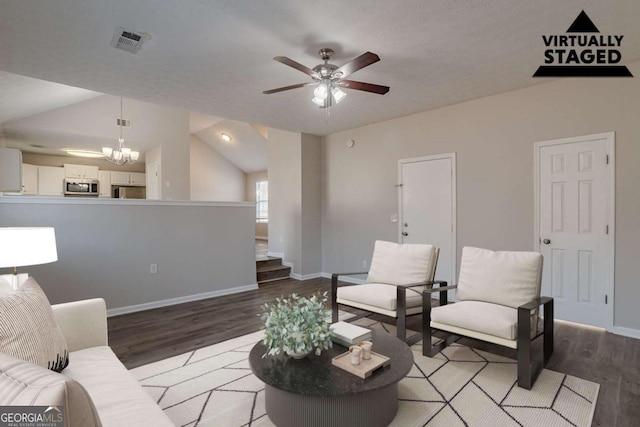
[528, 370]
[401, 311]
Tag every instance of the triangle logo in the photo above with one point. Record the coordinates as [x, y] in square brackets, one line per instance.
[583, 24]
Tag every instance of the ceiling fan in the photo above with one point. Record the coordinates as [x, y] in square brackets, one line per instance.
[330, 79]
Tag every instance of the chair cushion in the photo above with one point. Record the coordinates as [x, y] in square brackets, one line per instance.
[27, 384]
[404, 264]
[28, 330]
[483, 317]
[379, 295]
[119, 398]
[508, 278]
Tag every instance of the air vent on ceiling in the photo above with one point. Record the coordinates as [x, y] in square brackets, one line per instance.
[128, 40]
[125, 123]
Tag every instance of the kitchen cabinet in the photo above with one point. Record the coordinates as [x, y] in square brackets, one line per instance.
[105, 183]
[80, 171]
[51, 181]
[129, 178]
[10, 170]
[29, 180]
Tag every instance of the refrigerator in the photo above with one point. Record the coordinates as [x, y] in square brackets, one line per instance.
[130, 193]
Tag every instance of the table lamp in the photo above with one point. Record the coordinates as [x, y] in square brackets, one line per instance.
[21, 246]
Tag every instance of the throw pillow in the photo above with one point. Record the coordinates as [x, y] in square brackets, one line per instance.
[26, 384]
[28, 330]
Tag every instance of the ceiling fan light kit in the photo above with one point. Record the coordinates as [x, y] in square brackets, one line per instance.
[329, 78]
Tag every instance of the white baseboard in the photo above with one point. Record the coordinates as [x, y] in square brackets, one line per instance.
[348, 279]
[627, 332]
[305, 276]
[173, 301]
[276, 254]
[262, 238]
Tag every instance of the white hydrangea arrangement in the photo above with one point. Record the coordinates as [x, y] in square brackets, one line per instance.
[296, 325]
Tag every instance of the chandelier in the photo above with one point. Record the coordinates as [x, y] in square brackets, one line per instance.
[121, 155]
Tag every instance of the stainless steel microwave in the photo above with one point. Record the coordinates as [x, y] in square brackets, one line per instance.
[81, 187]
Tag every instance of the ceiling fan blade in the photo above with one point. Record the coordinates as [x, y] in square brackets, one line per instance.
[282, 89]
[360, 62]
[298, 66]
[367, 87]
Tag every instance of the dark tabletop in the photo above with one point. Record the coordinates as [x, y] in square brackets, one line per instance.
[315, 376]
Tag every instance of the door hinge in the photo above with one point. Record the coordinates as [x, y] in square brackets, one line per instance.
[606, 299]
[606, 229]
[606, 159]
[398, 185]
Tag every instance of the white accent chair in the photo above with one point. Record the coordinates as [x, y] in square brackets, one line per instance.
[397, 276]
[499, 299]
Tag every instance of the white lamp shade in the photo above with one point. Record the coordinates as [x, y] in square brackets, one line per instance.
[20, 246]
[107, 151]
[126, 152]
[135, 155]
[117, 155]
[320, 92]
[338, 94]
[319, 102]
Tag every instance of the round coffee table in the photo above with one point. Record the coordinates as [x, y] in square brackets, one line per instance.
[312, 392]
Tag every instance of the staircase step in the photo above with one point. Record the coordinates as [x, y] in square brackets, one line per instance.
[268, 262]
[269, 273]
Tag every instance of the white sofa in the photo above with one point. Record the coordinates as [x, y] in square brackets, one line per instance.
[117, 397]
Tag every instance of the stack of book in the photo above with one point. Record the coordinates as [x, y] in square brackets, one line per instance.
[347, 334]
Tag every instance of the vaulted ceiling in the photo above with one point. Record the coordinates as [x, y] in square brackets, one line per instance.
[215, 57]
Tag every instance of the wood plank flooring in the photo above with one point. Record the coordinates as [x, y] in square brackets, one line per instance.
[611, 360]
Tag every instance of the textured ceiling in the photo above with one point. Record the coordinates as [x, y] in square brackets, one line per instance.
[215, 57]
[247, 148]
[23, 96]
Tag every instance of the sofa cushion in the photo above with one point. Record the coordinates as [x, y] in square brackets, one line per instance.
[404, 264]
[483, 317]
[119, 398]
[27, 384]
[379, 295]
[28, 330]
[508, 278]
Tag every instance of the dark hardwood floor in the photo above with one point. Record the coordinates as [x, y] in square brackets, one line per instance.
[611, 360]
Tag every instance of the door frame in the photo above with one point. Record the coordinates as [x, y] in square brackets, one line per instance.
[611, 211]
[454, 226]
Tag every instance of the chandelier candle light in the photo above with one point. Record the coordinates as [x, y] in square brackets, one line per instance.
[121, 155]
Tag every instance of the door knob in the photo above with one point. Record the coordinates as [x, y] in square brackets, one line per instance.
[404, 233]
[546, 241]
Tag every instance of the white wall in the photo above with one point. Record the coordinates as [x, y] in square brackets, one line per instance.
[105, 248]
[285, 195]
[493, 138]
[294, 200]
[311, 243]
[212, 176]
[262, 228]
[175, 156]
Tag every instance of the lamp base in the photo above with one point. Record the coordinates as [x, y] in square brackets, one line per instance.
[15, 280]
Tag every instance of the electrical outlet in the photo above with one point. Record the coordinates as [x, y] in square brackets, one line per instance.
[153, 268]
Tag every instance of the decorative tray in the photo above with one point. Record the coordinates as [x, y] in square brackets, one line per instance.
[365, 368]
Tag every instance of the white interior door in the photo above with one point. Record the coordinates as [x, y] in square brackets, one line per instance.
[427, 203]
[575, 179]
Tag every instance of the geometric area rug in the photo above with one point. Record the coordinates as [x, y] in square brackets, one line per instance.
[214, 386]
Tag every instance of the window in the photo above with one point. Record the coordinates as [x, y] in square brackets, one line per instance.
[262, 201]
